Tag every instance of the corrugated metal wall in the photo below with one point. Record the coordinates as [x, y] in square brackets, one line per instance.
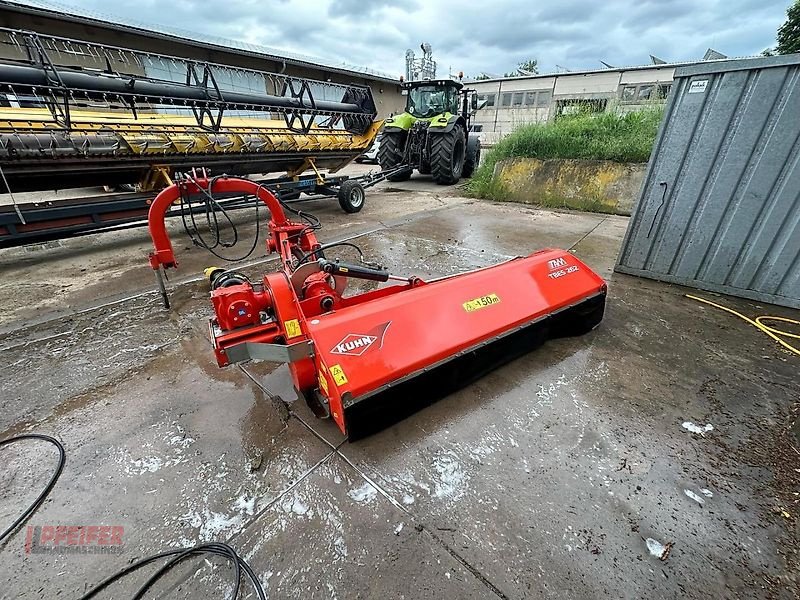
[720, 206]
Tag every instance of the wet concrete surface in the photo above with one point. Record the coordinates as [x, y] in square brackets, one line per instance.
[564, 474]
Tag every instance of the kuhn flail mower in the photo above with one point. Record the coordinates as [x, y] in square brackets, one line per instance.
[371, 358]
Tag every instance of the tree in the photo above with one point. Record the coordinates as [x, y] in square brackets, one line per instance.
[527, 67]
[789, 33]
[531, 65]
[481, 77]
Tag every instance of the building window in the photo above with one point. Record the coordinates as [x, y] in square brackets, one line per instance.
[572, 107]
[517, 99]
[487, 98]
[543, 99]
[505, 100]
[663, 90]
[645, 92]
[530, 98]
[629, 93]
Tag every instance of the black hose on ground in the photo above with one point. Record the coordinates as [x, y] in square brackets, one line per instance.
[178, 556]
[62, 458]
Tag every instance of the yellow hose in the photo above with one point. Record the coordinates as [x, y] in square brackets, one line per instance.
[758, 323]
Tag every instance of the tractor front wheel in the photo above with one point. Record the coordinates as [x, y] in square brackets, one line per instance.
[391, 154]
[472, 161]
[447, 156]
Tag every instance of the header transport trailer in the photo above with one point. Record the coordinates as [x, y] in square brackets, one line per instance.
[76, 114]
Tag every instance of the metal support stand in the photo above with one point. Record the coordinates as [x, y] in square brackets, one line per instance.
[162, 287]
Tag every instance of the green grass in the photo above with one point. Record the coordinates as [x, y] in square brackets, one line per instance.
[603, 136]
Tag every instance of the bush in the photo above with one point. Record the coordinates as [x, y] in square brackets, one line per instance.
[591, 136]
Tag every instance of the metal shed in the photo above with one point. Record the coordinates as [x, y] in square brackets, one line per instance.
[720, 205]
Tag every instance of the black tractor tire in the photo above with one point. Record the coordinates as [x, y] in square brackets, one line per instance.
[472, 161]
[447, 155]
[391, 154]
[351, 196]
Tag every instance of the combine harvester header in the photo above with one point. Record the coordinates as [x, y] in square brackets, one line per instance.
[75, 113]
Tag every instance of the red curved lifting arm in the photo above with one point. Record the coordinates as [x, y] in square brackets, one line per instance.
[163, 254]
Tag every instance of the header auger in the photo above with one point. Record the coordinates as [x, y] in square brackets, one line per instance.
[74, 113]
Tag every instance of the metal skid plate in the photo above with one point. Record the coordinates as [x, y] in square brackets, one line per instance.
[280, 353]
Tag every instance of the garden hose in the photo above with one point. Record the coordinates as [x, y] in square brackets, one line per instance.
[773, 332]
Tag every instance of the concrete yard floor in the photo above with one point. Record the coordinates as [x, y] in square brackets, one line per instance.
[564, 474]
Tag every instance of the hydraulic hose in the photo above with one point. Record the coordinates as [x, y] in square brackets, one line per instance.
[36, 503]
[758, 323]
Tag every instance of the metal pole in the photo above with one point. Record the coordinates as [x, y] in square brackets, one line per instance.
[13, 201]
[161, 287]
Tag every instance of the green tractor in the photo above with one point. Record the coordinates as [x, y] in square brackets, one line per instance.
[433, 134]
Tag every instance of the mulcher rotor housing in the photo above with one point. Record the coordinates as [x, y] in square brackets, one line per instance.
[368, 359]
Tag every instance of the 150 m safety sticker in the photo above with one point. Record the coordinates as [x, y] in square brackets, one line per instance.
[482, 302]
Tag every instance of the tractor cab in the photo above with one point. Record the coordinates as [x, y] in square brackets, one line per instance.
[427, 99]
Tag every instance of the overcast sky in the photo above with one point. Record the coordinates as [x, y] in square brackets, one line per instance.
[489, 36]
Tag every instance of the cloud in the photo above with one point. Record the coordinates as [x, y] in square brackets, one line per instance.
[364, 8]
[472, 37]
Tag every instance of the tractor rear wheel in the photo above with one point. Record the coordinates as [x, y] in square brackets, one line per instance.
[391, 154]
[447, 156]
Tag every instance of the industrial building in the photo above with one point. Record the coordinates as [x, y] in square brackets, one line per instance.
[50, 19]
[515, 101]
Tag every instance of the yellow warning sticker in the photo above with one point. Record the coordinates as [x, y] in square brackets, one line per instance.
[338, 375]
[292, 328]
[482, 302]
[323, 384]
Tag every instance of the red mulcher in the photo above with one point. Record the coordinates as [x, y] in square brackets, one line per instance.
[372, 358]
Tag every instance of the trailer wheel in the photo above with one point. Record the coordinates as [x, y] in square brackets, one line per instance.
[447, 156]
[351, 196]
